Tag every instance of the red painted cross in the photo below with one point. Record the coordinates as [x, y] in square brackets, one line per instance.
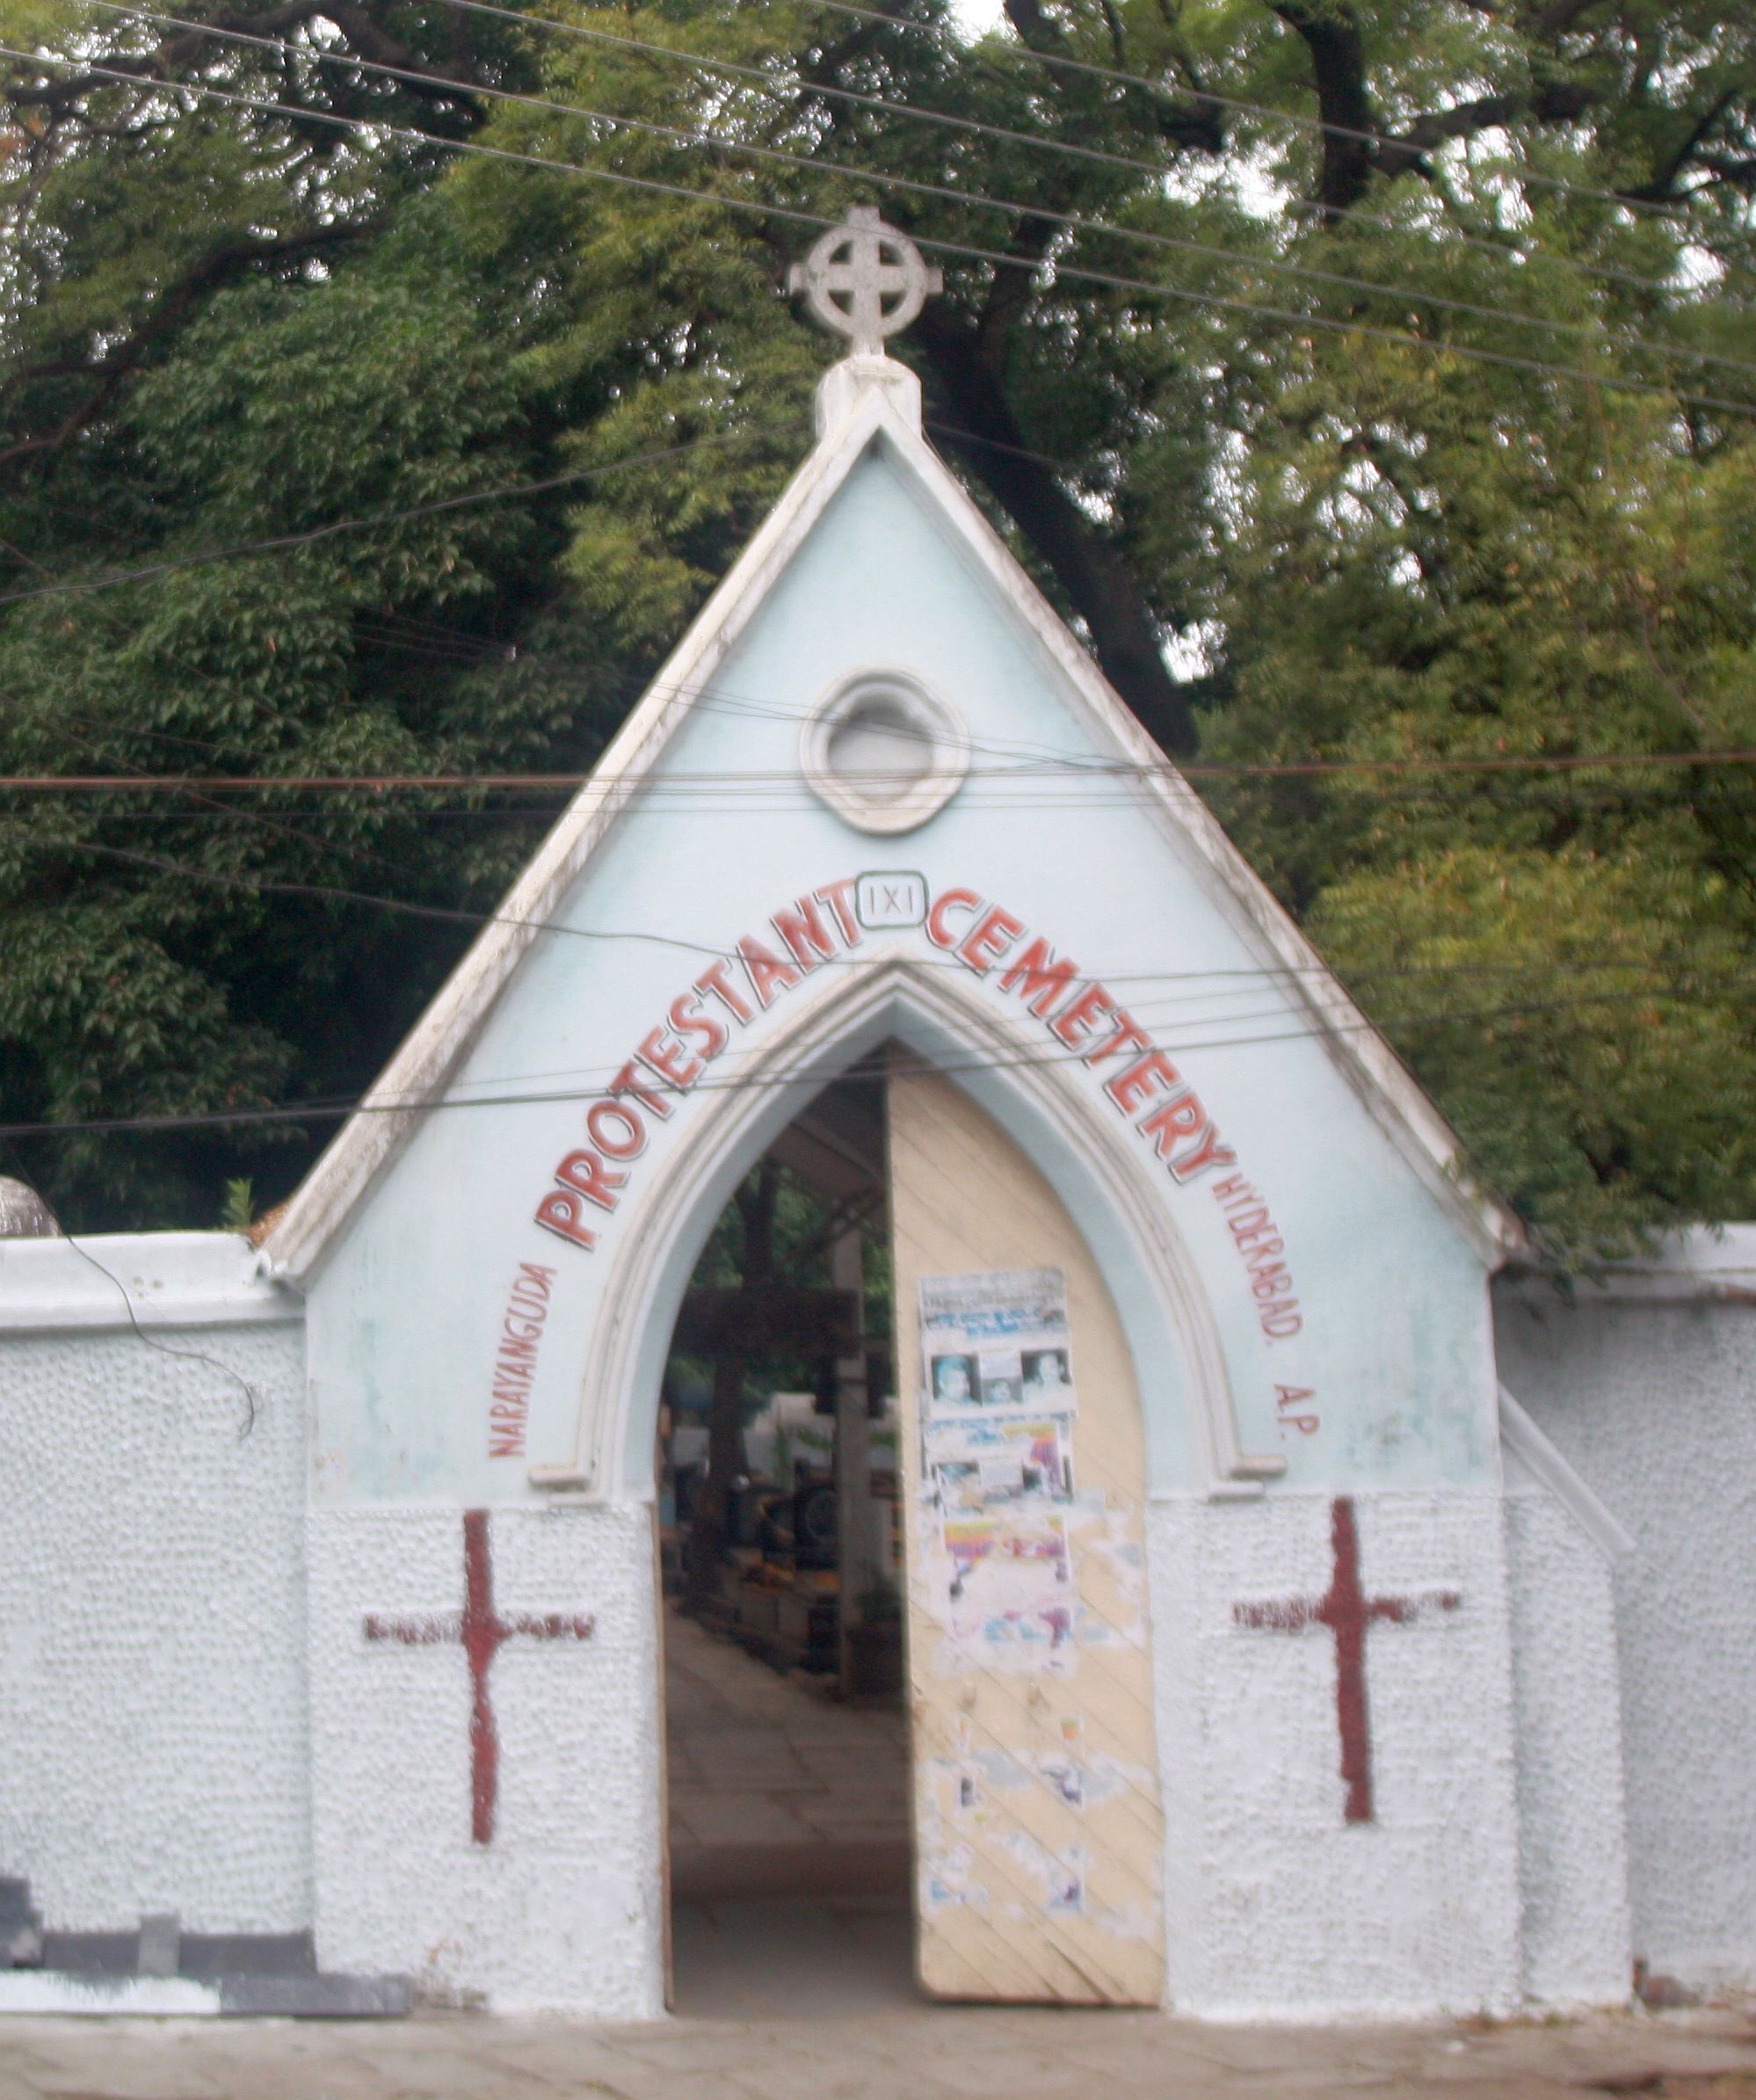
[1347, 1610]
[482, 1633]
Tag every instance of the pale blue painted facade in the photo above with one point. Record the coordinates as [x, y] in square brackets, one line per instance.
[404, 1317]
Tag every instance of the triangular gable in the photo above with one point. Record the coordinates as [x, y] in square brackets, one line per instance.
[865, 391]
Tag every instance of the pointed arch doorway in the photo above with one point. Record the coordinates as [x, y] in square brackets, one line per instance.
[1007, 1543]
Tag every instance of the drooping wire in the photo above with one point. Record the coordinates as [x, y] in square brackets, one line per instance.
[1062, 269]
[944, 192]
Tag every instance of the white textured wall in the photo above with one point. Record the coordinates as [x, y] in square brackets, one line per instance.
[1277, 1908]
[564, 1908]
[1573, 1856]
[1653, 1400]
[153, 1724]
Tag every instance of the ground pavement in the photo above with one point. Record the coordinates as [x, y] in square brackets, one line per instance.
[923, 2054]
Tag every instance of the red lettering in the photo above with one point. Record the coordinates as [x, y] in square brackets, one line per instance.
[687, 1019]
[1243, 1222]
[520, 1341]
[1267, 1282]
[768, 973]
[1233, 1189]
[540, 1279]
[1130, 1035]
[937, 931]
[713, 979]
[588, 1174]
[1289, 1396]
[1074, 1023]
[1283, 1327]
[1138, 1082]
[985, 940]
[809, 941]
[1169, 1125]
[631, 1080]
[1042, 978]
[559, 1212]
[1209, 1152]
[664, 1053]
[632, 1138]
[835, 895]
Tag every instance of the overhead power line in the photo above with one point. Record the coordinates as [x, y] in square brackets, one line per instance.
[731, 69]
[1588, 332]
[1094, 770]
[1061, 269]
[1258, 109]
[1219, 984]
[334, 1111]
[283, 543]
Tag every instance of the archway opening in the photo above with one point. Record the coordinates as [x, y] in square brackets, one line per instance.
[780, 1551]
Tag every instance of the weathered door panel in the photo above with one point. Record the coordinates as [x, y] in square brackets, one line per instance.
[1038, 1830]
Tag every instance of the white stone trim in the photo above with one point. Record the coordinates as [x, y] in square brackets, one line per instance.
[1526, 1442]
[421, 1069]
[1716, 1263]
[137, 1279]
[935, 721]
[889, 994]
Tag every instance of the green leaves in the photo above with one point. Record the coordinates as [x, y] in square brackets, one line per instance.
[1279, 450]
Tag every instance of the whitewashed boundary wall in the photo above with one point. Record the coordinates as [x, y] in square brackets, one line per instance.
[1646, 1383]
[1562, 1548]
[1277, 1907]
[153, 1732]
[565, 1908]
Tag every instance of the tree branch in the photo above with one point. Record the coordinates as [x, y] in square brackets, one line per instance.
[168, 312]
[1331, 38]
[1098, 584]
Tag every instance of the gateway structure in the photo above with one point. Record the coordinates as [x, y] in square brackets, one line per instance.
[1266, 1656]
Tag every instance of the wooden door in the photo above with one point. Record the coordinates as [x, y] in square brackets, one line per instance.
[1038, 1830]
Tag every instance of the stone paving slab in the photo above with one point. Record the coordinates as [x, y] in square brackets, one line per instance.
[921, 2053]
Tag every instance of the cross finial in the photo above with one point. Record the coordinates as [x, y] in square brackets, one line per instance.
[864, 280]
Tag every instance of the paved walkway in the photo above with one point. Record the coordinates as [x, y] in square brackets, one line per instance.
[933, 2054]
[776, 1787]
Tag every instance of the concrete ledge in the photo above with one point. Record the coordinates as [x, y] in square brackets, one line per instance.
[1716, 1263]
[149, 1279]
[316, 1997]
[60, 1991]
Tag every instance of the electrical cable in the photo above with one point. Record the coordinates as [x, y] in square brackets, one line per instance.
[283, 543]
[1260, 109]
[943, 192]
[334, 1111]
[722, 780]
[1036, 141]
[1063, 270]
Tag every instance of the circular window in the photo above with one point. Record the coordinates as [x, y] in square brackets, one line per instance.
[883, 752]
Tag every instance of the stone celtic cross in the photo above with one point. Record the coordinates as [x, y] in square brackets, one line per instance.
[864, 280]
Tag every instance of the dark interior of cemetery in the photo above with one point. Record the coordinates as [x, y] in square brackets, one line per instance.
[780, 1534]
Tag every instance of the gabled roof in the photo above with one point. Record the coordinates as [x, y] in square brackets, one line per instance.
[865, 402]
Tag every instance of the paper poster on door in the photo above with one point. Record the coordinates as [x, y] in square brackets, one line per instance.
[997, 1467]
[994, 1341]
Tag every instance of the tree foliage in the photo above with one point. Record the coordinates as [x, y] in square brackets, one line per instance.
[1368, 380]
